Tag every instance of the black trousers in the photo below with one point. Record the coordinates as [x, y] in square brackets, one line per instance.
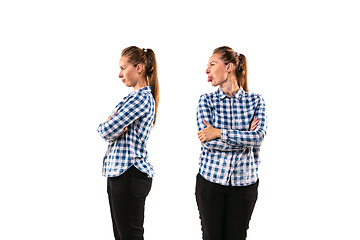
[225, 211]
[127, 194]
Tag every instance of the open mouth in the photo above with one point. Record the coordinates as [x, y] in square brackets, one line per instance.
[210, 78]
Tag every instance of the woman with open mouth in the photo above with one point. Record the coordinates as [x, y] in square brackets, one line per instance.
[232, 124]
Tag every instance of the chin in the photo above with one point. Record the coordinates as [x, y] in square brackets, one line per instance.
[214, 84]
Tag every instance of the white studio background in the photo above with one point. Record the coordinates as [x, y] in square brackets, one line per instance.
[59, 68]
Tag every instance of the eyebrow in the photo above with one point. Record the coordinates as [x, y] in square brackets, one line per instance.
[212, 62]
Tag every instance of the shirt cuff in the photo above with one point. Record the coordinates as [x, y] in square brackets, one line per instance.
[224, 133]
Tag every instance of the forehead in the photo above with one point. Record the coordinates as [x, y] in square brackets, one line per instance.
[215, 57]
[123, 61]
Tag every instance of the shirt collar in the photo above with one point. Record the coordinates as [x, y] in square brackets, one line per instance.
[237, 95]
[143, 89]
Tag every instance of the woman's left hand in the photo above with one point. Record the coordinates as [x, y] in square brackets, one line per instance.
[208, 133]
[125, 129]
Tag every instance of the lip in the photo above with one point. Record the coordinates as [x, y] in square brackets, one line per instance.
[123, 80]
[210, 78]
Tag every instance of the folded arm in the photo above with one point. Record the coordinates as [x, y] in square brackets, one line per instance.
[248, 138]
[134, 108]
[209, 136]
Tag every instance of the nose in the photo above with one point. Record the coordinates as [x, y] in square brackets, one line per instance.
[207, 71]
[120, 75]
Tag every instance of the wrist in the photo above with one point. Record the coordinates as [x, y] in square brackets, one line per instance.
[218, 133]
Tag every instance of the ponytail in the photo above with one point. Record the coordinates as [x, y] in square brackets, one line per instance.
[228, 55]
[152, 77]
[241, 72]
[147, 57]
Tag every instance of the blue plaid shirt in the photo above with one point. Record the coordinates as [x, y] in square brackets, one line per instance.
[137, 112]
[235, 157]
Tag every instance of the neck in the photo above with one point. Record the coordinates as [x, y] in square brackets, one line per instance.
[140, 84]
[230, 87]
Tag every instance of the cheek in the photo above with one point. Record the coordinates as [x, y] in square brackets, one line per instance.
[131, 76]
[126, 74]
[220, 74]
[134, 75]
[216, 74]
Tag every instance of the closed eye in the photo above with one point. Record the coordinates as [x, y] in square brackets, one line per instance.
[212, 64]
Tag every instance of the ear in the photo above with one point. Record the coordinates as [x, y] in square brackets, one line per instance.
[139, 68]
[230, 67]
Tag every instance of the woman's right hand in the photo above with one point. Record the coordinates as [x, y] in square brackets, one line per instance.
[110, 117]
[254, 124]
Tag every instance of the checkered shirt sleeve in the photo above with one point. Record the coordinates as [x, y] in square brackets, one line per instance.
[246, 139]
[205, 112]
[136, 112]
[130, 109]
[235, 157]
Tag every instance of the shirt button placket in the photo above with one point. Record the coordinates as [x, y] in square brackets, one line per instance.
[232, 126]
